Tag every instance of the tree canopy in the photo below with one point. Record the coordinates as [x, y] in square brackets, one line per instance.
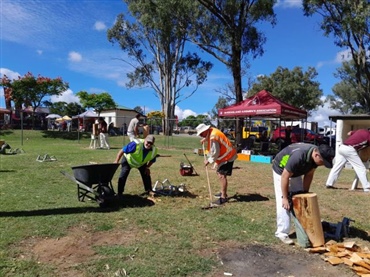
[63, 108]
[347, 98]
[99, 102]
[295, 87]
[155, 44]
[349, 23]
[228, 31]
[194, 121]
[30, 90]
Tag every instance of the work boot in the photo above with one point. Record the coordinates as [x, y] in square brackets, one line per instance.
[220, 201]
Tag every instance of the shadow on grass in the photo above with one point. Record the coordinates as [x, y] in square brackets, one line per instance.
[65, 135]
[168, 193]
[358, 233]
[249, 198]
[6, 132]
[128, 201]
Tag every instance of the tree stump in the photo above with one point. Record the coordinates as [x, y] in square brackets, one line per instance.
[306, 210]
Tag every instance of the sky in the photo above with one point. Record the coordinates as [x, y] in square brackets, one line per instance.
[68, 39]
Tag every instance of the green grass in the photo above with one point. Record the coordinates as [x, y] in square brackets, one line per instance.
[171, 236]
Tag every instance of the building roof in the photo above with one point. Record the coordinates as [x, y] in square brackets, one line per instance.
[349, 117]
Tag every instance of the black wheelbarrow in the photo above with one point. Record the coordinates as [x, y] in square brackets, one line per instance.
[94, 181]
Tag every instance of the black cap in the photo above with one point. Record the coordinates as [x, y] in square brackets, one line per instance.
[328, 154]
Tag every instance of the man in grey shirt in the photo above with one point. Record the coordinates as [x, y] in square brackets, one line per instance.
[293, 170]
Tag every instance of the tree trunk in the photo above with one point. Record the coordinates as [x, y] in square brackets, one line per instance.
[236, 71]
[306, 210]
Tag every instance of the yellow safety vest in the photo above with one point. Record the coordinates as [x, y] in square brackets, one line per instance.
[136, 160]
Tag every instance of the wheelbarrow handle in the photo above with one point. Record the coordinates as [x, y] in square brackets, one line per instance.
[82, 185]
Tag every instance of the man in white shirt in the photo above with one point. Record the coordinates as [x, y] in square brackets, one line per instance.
[133, 128]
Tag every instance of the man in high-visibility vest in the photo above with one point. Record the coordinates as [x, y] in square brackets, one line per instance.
[221, 152]
[140, 154]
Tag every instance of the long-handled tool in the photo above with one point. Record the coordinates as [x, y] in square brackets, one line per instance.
[211, 205]
[191, 164]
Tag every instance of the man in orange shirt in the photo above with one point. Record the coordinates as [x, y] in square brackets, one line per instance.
[221, 152]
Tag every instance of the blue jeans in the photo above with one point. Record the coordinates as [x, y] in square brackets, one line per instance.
[125, 171]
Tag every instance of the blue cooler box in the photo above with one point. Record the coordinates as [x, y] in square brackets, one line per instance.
[261, 159]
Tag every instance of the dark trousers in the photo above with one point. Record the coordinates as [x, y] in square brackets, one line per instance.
[125, 171]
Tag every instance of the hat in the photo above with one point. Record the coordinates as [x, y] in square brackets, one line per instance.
[201, 128]
[327, 153]
[150, 138]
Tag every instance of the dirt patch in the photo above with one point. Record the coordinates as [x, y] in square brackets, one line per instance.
[77, 247]
[284, 261]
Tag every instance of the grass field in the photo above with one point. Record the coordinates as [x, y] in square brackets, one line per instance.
[46, 231]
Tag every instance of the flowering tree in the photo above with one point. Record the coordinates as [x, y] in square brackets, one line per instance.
[30, 90]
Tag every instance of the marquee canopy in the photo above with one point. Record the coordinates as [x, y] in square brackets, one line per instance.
[263, 104]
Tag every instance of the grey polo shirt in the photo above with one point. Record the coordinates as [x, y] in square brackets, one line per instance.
[296, 158]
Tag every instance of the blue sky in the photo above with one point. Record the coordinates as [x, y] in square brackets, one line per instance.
[67, 39]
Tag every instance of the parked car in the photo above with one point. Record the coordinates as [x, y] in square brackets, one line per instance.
[298, 135]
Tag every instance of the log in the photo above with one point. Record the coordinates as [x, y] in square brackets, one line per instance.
[306, 210]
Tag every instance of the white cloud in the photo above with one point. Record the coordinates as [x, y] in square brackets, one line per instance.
[66, 96]
[100, 26]
[74, 56]
[343, 56]
[39, 52]
[289, 3]
[181, 114]
[9, 73]
[321, 116]
[339, 58]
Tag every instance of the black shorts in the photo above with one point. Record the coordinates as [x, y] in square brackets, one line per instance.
[226, 169]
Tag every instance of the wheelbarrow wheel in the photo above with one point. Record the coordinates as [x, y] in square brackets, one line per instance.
[105, 193]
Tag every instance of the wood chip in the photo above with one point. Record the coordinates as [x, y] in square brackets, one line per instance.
[349, 244]
[347, 261]
[360, 269]
[335, 260]
[355, 258]
[363, 264]
[330, 242]
[330, 254]
[364, 255]
[320, 249]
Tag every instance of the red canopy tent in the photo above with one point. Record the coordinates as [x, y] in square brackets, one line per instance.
[263, 104]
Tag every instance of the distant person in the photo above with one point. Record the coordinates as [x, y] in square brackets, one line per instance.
[293, 170]
[133, 128]
[124, 129]
[348, 151]
[111, 130]
[288, 137]
[140, 154]
[103, 133]
[69, 125]
[221, 152]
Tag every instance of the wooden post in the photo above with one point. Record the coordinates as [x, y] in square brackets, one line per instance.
[306, 209]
